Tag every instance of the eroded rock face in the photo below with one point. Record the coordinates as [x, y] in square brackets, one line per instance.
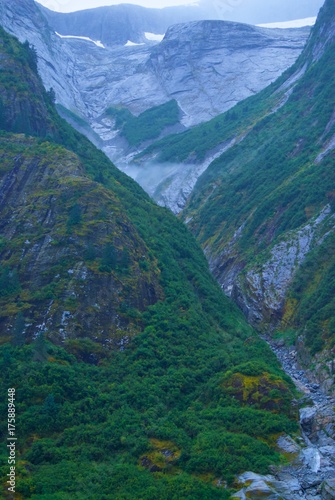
[171, 184]
[207, 66]
[307, 419]
[75, 252]
[55, 62]
[229, 61]
[328, 491]
[312, 463]
[262, 290]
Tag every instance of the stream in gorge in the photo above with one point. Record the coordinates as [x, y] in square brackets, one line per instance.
[311, 473]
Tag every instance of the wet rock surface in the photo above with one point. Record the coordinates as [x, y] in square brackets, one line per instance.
[311, 474]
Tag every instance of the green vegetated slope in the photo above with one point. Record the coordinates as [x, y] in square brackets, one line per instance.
[196, 143]
[148, 125]
[134, 376]
[262, 200]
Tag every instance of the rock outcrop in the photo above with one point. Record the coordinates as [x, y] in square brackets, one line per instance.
[76, 264]
[262, 291]
[229, 61]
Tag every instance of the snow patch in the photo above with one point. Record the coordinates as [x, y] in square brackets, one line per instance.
[153, 37]
[132, 44]
[97, 42]
[297, 23]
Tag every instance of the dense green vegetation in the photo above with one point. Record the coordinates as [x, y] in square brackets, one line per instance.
[79, 123]
[313, 295]
[162, 418]
[22, 108]
[195, 143]
[148, 125]
[105, 427]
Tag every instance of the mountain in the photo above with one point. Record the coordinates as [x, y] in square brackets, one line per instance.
[205, 67]
[264, 210]
[116, 24]
[133, 19]
[134, 376]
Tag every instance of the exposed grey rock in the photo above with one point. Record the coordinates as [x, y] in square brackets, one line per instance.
[256, 486]
[287, 444]
[307, 419]
[260, 489]
[328, 451]
[330, 146]
[240, 494]
[311, 458]
[328, 490]
[311, 481]
[217, 56]
[252, 476]
[23, 19]
[207, 66]
[287, 485]
[171, 184]
[261, 292]
[315, 462]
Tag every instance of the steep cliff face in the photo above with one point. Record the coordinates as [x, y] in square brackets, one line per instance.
[24, 20]
[119, 23]
[264, 211]
[18, 113]
[229, 61]
[74, 251]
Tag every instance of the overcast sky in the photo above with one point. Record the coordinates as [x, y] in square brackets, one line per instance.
[252, 11]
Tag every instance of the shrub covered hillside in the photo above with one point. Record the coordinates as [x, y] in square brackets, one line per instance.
[148, 125]
[134, 376]
[264, 211]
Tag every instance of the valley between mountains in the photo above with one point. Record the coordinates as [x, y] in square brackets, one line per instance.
[176, 343]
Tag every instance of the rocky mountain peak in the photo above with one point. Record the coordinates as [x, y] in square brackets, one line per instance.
[216, 34]
[323, 34]
[116, 24]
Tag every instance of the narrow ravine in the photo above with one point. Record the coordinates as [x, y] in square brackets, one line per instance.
[311, 474]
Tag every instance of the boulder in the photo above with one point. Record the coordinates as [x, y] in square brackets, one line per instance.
[307, 419]
[287, 444]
